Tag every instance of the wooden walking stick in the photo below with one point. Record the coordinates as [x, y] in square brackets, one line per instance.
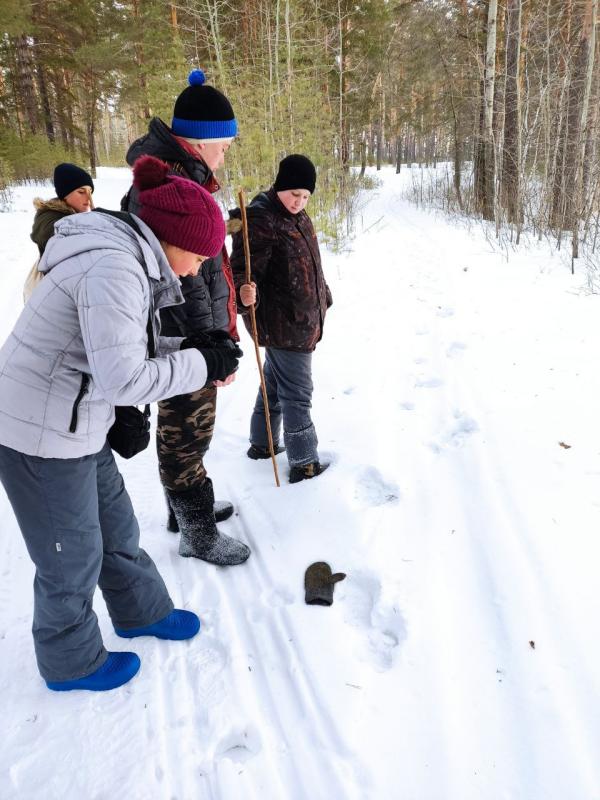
[255, 334]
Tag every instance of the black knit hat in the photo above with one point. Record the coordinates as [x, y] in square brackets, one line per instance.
[296, 172]
[68, 177]
[203, 112]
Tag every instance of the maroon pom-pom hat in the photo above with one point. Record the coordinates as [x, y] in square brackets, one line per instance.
[178, 211]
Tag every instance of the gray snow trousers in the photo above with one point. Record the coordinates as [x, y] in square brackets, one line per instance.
[288, 378]
[80, 531]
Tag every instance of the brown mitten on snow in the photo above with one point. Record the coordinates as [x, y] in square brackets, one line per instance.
[319, 583]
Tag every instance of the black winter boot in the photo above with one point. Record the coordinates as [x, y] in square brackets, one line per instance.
[306, 471]
[256, 452]
[200, 538]
[222, 509]
[172, 525]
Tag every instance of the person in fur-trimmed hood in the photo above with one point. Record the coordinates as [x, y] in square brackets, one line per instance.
[194, 146]
[74, 188]
[292, 298]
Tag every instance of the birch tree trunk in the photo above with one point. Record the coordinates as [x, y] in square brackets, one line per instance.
[488, 112]
[585, 61]
[510, 191]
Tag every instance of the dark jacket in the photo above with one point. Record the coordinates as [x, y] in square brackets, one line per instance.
[292, 296]
[48, 212]
[210, 295]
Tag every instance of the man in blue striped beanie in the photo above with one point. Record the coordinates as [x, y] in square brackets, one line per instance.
[194, 146]
[203, 117]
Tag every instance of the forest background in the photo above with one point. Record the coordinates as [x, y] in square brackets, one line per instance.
[501, 96]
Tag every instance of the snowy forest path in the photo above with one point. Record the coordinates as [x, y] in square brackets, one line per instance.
[456, 398]
[479, 503]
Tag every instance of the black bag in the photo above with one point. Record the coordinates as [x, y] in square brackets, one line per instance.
[130, 432]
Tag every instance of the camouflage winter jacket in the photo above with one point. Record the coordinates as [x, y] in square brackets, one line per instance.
[292, 296]
[210, 295]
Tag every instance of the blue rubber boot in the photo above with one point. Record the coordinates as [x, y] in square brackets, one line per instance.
[116, 670]
[179, 624]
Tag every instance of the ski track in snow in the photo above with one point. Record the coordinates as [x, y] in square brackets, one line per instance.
[312, 757]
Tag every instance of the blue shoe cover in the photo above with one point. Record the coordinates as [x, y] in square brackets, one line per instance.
[178, 625]
[116, 670]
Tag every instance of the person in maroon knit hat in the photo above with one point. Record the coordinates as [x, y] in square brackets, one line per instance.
[89, 341]
[181, 214]
[185, 218]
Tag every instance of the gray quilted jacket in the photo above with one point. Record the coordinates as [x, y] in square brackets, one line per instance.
[79, 347]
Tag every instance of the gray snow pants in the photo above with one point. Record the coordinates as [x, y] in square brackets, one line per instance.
[80, 530]
[288, 377]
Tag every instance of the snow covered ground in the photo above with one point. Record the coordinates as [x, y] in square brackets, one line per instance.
[457, 396]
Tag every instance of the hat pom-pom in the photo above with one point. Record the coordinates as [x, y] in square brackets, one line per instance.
[149, 172]
[196, 77]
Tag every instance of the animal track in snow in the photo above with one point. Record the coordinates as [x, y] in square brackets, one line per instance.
[407, 406]
[272, 598]
[428, 383]
[456, 349]
[456, 433]
[372, 490]
[279, 597]
[239, 746]
[384, 625]
[444, 311]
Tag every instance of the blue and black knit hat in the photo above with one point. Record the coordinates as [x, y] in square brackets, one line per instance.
[203, 112]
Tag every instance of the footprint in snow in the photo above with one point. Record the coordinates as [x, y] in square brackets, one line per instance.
[208, 659]
[456, 433]
[373, 490]
[383, 624]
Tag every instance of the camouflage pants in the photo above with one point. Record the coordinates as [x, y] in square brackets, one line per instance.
[184, 431]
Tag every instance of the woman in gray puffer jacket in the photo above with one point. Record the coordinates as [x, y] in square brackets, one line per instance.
[78, 349]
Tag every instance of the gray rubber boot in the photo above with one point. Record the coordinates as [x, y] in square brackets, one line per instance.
[200, 538]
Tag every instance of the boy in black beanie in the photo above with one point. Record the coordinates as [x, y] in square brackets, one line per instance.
[291, 297]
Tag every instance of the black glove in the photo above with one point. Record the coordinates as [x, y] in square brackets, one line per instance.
[219, 351]
[319, 583]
